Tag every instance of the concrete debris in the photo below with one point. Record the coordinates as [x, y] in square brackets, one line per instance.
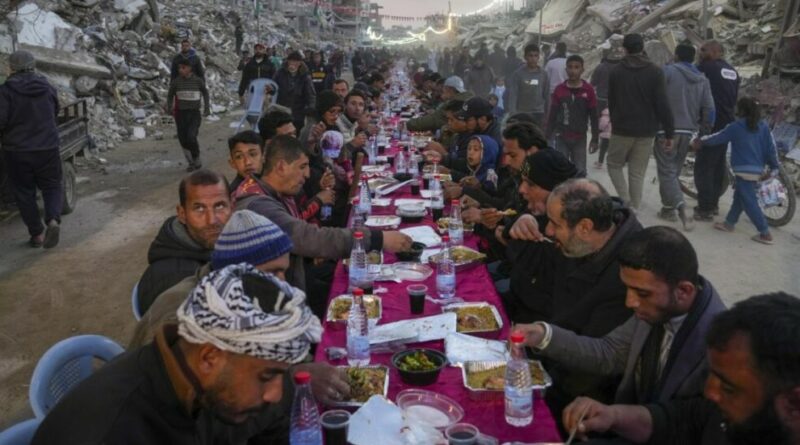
[117, 54]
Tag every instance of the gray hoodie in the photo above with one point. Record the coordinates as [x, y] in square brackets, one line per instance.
[528, 91]
[689, 96]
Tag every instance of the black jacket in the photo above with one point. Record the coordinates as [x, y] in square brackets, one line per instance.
[637, 99]
[173, 256]
[28, 111]
[135, 400]
[255, 70]
[589, 299]
[322, 76]
[724, 81]
[296, 92]
[696, 421]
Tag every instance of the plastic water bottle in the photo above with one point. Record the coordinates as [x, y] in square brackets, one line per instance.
[372, 150]
[518, 391]
[364, 198]
[358, 330]
[456, 227]
[305, 427]
[437, 197]
[358, 267]
[358, 219]
[413, 165]
[446, 272]
[400, 162]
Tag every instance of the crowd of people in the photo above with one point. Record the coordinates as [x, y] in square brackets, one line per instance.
[639, 344]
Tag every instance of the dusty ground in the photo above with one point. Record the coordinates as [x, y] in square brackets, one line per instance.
[83, 286]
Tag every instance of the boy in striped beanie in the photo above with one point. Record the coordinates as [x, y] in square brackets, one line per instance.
[251, 238]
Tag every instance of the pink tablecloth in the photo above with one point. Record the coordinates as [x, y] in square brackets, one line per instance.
[472, 285]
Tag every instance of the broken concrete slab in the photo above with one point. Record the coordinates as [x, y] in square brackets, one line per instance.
[40, 27]
[611, 12]
[76, 64]
[653, 18]
[84, 85]
[557, 17]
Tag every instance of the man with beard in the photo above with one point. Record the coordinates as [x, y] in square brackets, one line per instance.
[752, 394]
[295, 88]
[341, 88]
[659, 352]
[204, 380]
[189, 56]
[258, 67]
[589, 227]
[185, 241]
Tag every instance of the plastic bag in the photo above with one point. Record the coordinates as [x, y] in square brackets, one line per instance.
[771, 192]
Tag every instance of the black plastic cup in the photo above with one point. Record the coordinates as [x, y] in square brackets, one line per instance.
[437, 214]
[334, 426]
[390, 160]
[426, 182]
[415, 188]
[416, 297]
[381, 149]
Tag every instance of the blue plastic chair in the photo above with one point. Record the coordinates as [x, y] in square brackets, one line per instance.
[135, 302]
[21, 433]
[64, 365]
[255, 105]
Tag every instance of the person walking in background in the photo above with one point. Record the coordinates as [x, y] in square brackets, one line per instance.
[187, 55]
[188, 88]
[604, 125]
[573, 108]
[497, 60]
[752, 150]
[512, 62]
[689, 96]
[556, 66]
[638, 106]
[31, 147]
[529, 87]
[295, 88]
[480, 78]
[258, 67]
[709, 165]
[599, 79]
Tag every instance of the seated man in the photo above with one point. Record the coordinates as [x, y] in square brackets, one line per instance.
[659, 352]
[589, 227]
[529, 296]
[477, 112]
[228, 358]
[185, 241]
[246, 155]
[752, 394]
[275, 123]
[454, 155]
[285, 172]
[453, 89]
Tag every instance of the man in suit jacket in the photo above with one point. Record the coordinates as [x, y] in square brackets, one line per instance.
[660, 351]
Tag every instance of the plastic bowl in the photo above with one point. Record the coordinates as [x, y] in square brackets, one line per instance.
[413, 399]
[420, 378]
[402, 176]
[413, 254]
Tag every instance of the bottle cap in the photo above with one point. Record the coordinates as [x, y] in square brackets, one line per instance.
[437, 177]
[446, 238]
[302, 377]
[358, 234]
[455, 202]
[356, 200]
[363, 176]
[358, 291]
[517, 337]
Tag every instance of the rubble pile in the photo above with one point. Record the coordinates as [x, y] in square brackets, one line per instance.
[117, 54]
[747, 28]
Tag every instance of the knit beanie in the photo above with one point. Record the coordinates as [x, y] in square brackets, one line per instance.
[326, 100]
[21, 61]
[549, 168]
[249, 238]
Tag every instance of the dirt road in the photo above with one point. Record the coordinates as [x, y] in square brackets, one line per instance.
[83, 286]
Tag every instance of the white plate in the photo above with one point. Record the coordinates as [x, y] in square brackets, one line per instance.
[427, 194]
[373, 168]
[423, 234]
[383, 221]
[412, 202]
[381, 202]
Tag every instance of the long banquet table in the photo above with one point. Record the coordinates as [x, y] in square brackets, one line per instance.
[474, 284]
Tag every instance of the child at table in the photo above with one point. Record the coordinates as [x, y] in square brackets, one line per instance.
[481, 161]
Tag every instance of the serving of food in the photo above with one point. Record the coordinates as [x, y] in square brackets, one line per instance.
[366, 382]
[339, 309]
[475, 317]
[490, 376]
[508, 212]
[444, 224]
[419, 367]
[462, 256]
[416, 361]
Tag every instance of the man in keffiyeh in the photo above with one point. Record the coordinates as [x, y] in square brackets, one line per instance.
[219, 376]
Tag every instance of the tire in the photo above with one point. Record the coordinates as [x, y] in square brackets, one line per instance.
[70, 196]
[785, 211]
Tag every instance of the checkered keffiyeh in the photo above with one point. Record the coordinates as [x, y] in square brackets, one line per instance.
[218, 312]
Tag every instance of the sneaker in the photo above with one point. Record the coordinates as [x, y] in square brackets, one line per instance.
[686, 220]
[667, 214]
[723, 227]
[51, 235]
[702, 215]
[763, 238]
[36, 241]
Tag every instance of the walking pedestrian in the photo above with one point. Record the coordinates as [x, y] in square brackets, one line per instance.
[529, 87]
[556, 66]
[238, 35]
[573, 108]
[709, 165]
[187, 55]
[752, 149]
[637, 103]
[689, 96]
[295, 88]
[259, 67]
[29, 137]
[188, 89]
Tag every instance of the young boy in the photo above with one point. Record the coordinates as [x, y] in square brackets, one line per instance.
[246, 156]
[529, 87]
[497, 110]
[573, 107]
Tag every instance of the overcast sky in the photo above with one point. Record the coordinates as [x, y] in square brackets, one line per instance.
[416, 8]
